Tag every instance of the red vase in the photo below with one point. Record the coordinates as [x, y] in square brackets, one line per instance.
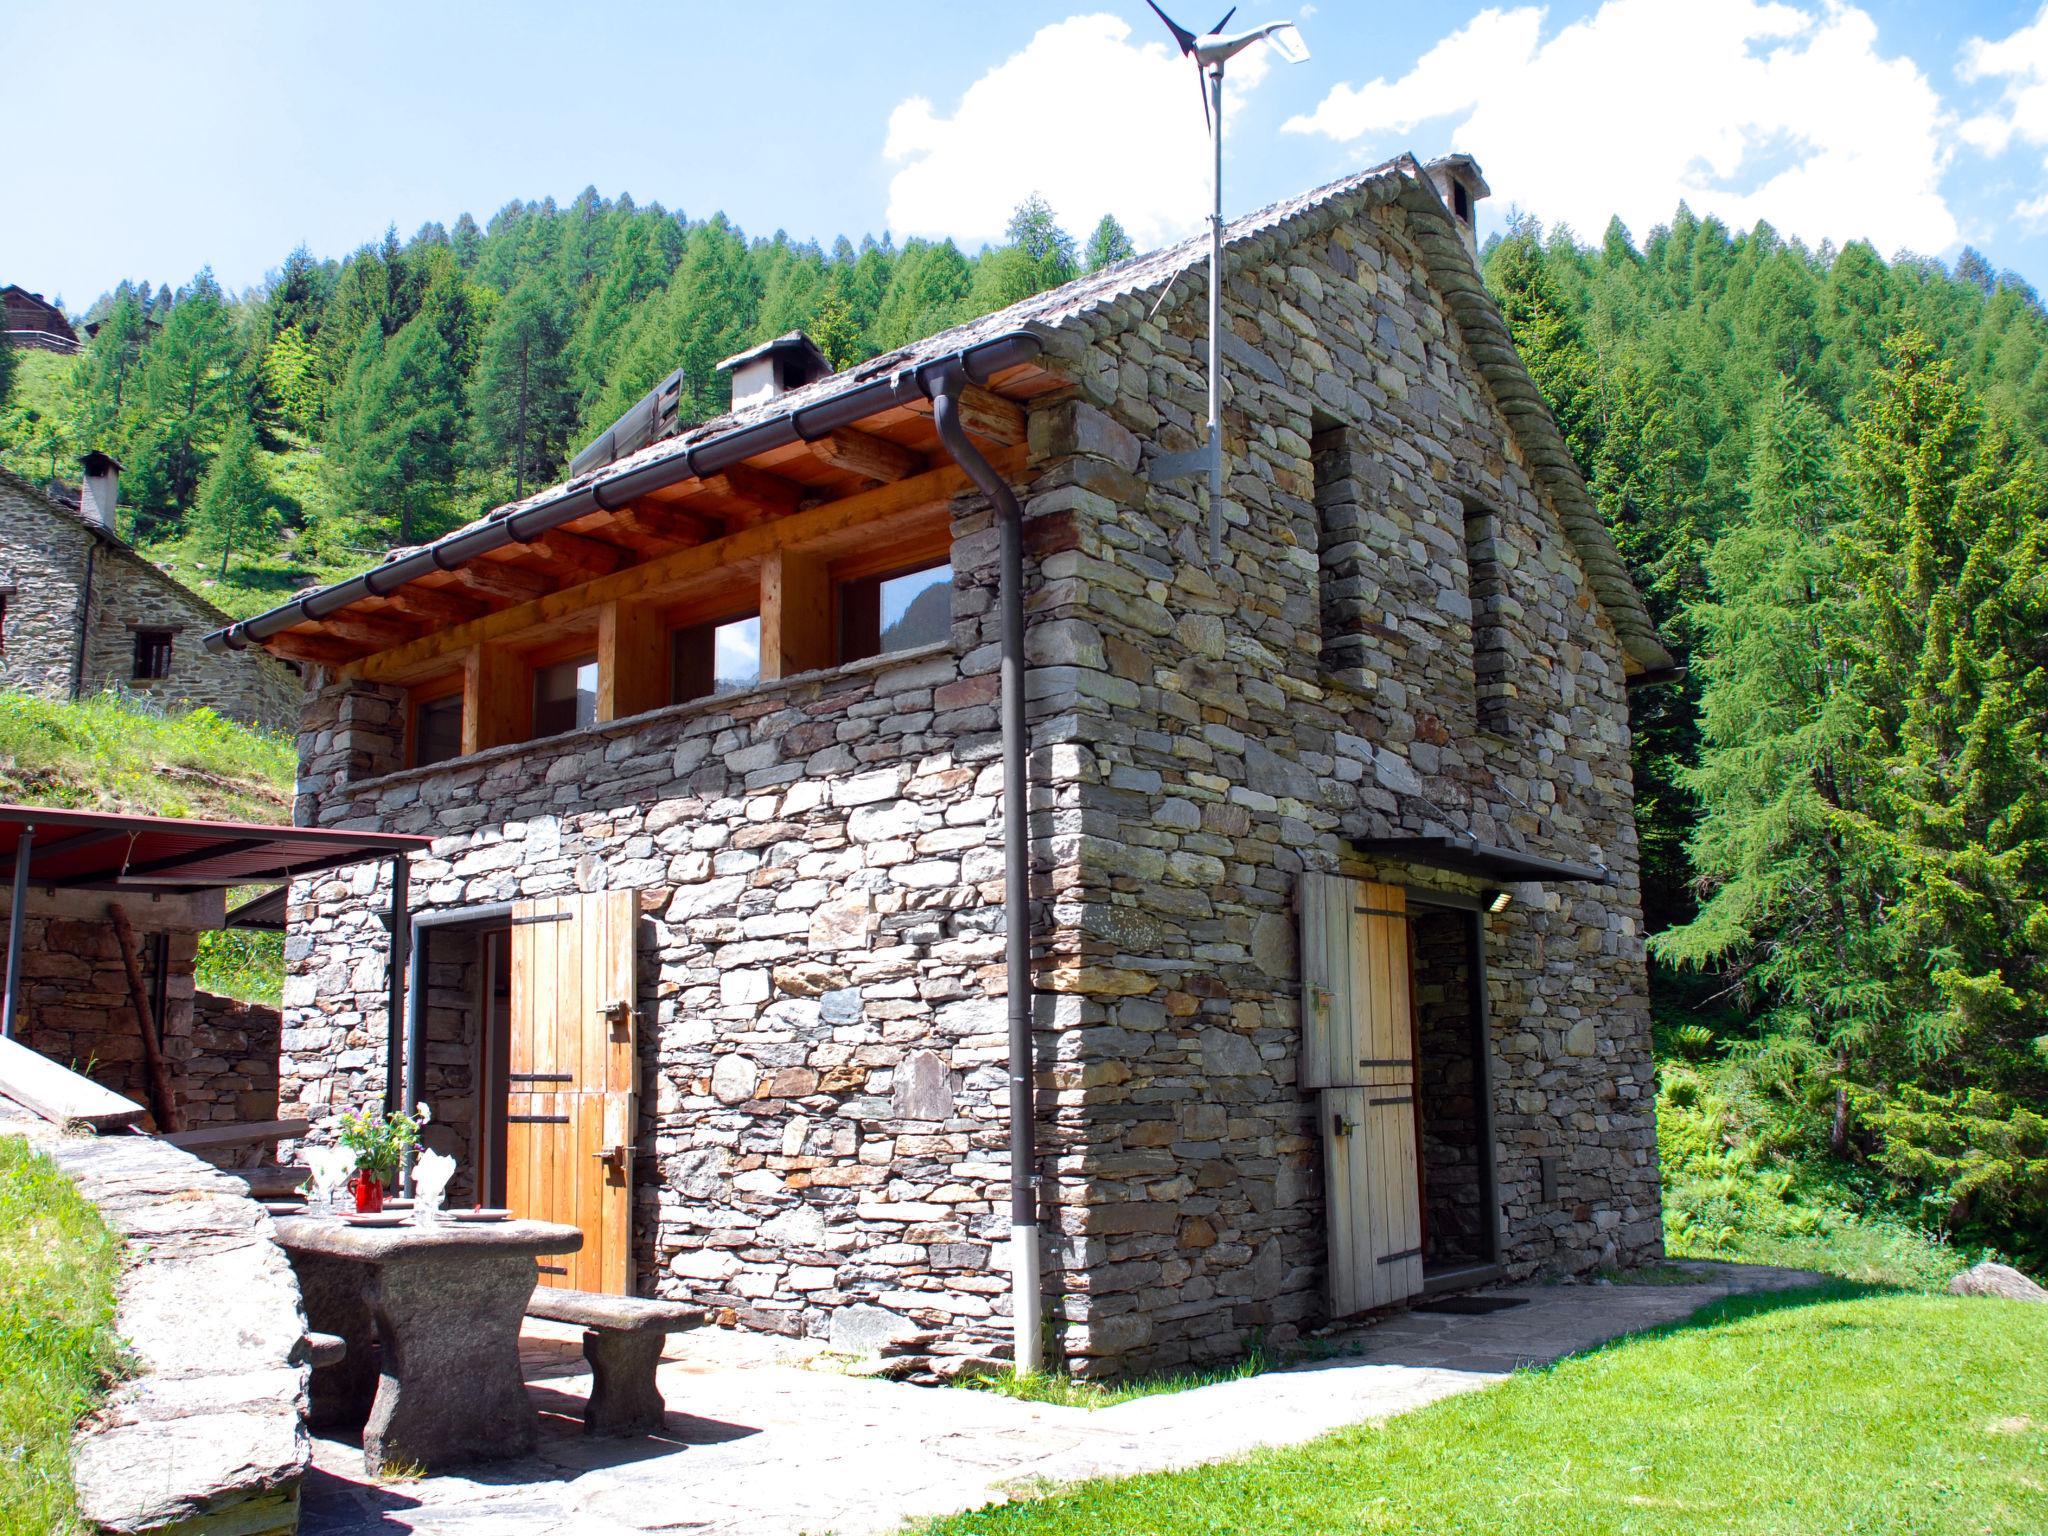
[369, 1191]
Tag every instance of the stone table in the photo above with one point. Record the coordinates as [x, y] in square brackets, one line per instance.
[431, 1316]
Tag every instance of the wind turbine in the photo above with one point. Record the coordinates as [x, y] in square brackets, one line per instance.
[1212, 50]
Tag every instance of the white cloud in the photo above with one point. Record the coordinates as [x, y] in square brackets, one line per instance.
[1743, 109]
[2019, 62]
[1096, 123]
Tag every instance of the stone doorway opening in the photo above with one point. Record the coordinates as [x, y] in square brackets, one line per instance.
[1453, 1091]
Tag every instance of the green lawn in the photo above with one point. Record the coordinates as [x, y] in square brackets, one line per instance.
[57, 1346]
[1834, 1412]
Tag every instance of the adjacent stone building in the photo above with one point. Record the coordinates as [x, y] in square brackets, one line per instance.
[82, 612]
[1338, 953]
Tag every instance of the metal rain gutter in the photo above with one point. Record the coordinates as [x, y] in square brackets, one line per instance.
[1026, 1291]
[978, 363]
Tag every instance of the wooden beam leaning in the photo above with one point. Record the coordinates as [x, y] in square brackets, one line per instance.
[851, 519]
[862, 453]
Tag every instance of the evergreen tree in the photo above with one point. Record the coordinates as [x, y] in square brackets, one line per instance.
[520, 401]
[100, 384]
[234, 508]
[1108, 245]
[8, 365]
[397, 423]
[185, 397]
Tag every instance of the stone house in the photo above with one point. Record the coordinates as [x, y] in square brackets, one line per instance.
[1329, 982]
[81, 612]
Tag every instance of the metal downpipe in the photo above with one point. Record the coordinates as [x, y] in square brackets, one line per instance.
[1027, 1294]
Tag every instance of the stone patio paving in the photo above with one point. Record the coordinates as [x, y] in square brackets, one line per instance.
[770, 1438]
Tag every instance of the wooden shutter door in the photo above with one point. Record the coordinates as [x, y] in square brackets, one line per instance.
[1358, 1049]
[572, 1108]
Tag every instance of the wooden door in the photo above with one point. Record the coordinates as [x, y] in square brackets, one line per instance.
[1358, 1052]
[571, 1105]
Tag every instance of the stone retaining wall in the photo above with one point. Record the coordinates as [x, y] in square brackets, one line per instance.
[207, 1435]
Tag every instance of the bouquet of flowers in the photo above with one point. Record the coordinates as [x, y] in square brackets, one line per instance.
[380, 1142]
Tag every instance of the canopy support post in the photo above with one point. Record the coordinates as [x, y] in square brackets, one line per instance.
[16, 915]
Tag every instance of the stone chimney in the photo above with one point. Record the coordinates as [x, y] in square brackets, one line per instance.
[1458, 182]
[101, 492]
[774, 368]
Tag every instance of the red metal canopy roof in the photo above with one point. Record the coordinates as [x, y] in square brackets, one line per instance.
[97, 851]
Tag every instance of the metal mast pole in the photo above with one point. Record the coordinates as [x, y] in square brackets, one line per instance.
[1216, 320]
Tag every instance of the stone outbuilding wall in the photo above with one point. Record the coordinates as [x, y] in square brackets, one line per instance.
[75, 597]
[820, 865]
[77, 1010]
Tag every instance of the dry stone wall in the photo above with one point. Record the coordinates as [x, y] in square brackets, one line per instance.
[42, 578]
[820, 861]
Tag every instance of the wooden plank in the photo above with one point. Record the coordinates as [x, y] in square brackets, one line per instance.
[58, 1094]
[632, 659]
[796, 614]
[986, 415]
[828, 529]
[237, 1135]
[864, 454]
[644, 521]
[1337, 1202]
[1324, 903]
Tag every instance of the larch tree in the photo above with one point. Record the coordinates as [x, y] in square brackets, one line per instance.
[235, 508]
[1107, 246]
[520, 401]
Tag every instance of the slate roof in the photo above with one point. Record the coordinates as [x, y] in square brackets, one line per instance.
[1102, 304]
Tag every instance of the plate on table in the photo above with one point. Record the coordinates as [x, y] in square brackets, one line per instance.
[377, 1218]
[481, 1213]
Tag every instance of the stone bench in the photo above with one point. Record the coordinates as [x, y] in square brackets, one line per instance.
[622, 1340]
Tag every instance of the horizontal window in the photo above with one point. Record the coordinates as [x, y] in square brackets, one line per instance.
[719, 657]
[437, 730]
[881, 615]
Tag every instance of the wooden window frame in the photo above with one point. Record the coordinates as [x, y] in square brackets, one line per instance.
[154, 646]
[869, 571]
[432, 692]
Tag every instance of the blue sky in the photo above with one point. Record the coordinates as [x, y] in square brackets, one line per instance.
[146, 145]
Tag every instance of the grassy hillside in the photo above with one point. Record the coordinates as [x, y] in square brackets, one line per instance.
[116, 754]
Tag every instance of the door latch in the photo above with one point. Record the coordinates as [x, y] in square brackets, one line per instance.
[618, 1015]
[618, 1159]
[1342, 1125]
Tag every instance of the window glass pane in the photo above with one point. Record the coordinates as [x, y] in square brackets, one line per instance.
[736, 655]
[438, 724]
[564, 696]
[917, 608]
[715, 658]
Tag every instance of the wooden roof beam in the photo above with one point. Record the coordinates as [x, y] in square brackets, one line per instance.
[512, 583]
[577, 554]
[986, 415]
[436, 604]
[643, 522]
[864, 454]
[314, 649]
[758, 488]
[377, 631]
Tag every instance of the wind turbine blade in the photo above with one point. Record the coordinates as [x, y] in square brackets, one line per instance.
[1224, 22]
[1181, 34]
